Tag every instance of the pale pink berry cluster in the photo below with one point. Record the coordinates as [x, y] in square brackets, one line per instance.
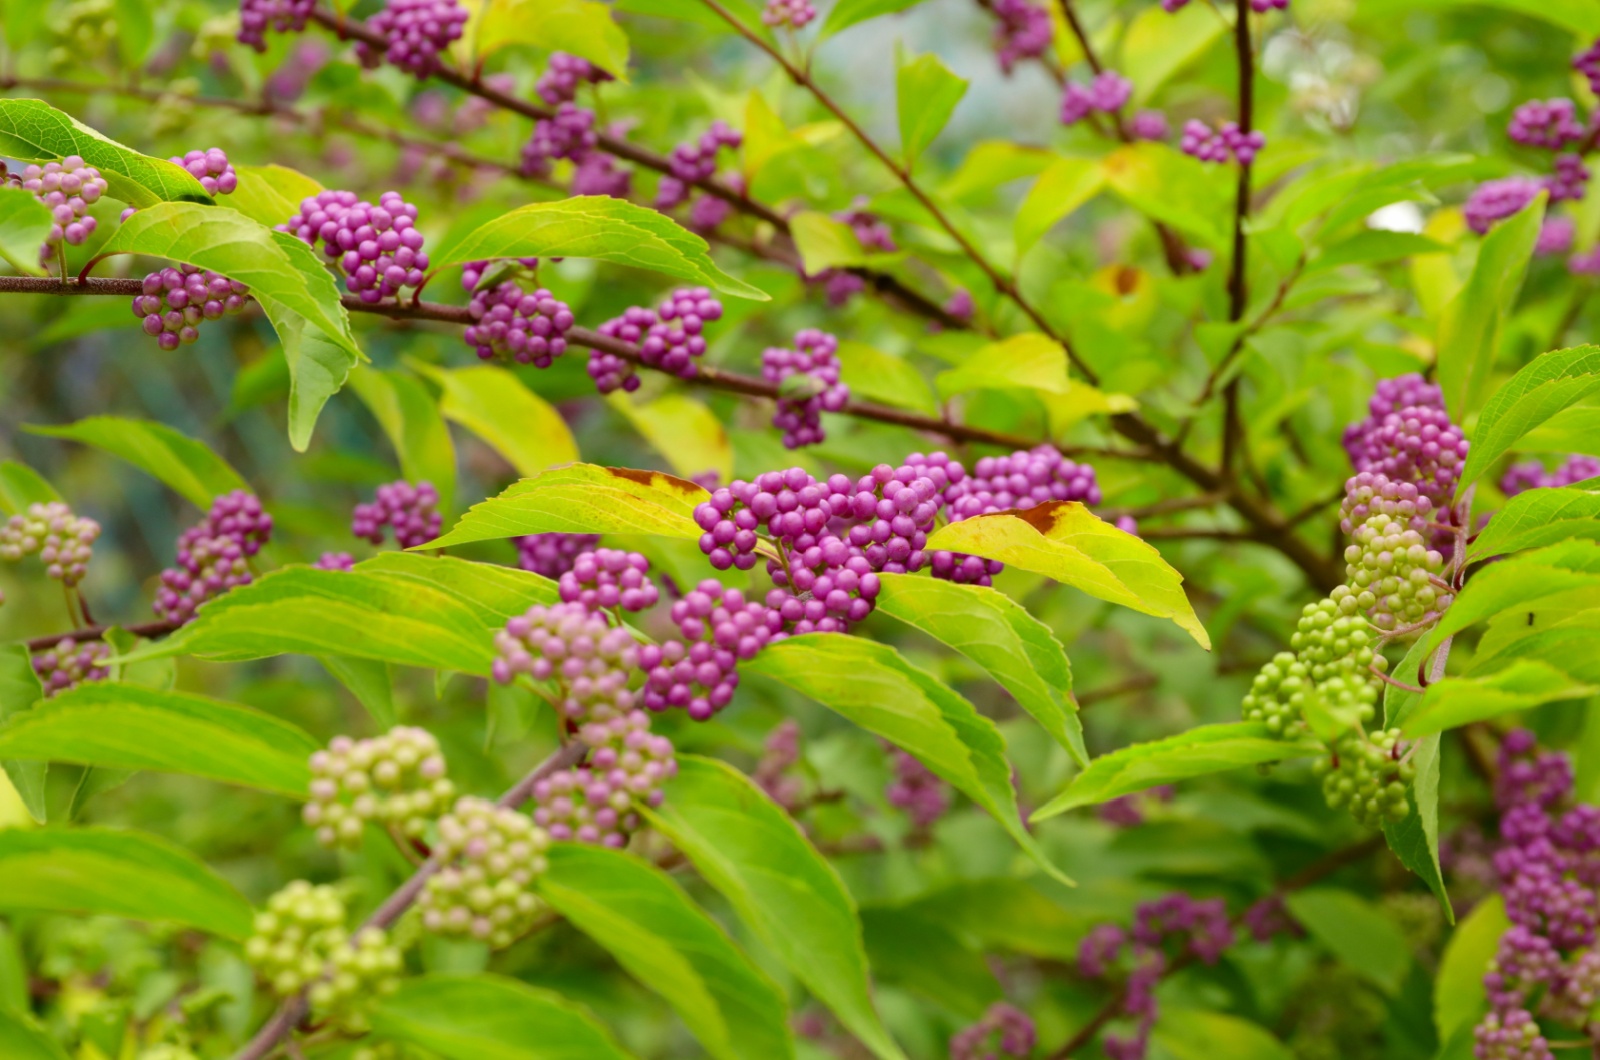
[793, 13]
[596, 802]
[63, 541]
[212, 555]
[396, 780]
[411, 512]
[67, 664]
[590, 661]
[491, 854]
[68, 188]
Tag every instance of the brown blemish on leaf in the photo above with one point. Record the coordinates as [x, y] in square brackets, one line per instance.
[1044, 517]
[657, 480]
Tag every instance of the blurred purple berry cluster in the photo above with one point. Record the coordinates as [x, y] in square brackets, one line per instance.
[1226, 141]
[258, 17]
[1107, 93]
[1025, 32]
[552, 555]
[1531, 474]
[565, 75]
[411, 512]
[68, 664]
[213, 555]
[64, 541]
[1005, 1030]
[415, 32]
[67, 188]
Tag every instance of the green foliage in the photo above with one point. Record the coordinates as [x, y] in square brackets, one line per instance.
[583, 498]
[465, 1017]
[185, 464]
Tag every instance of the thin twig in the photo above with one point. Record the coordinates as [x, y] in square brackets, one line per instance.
[1238, 279]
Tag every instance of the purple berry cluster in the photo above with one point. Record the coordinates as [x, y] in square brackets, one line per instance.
[608, 370]
[211, 168]
[1162, 931]
[775, 770]
[795, 14]
[1520, 478]
[68, 188]
[810, 373]
[342, 561]
[415, 32]
[1025, 32]
[396, 780]
[596, 802]
[212, 555]
[1222, 143]
[1550, 124]
[569, 134]
[670, 338]
[916, 791]
[412, 512]
[1149, 125]
[699, 673]
[64, 541]
[528, 327]
[176, 300]
[1546, 965]
[1587, 63]
[1108, 93]
[1004, 1029]
[1408, 437]
[552, 555]
[590, 661]
[379, 248]
[491, 855]
[696, 161]
[67, 664]
[609, 578]
[597, 174]
[1495, 200]
[257, 17]
[565, 75]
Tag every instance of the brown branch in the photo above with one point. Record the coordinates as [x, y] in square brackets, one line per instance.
[290, 1014]
[147, 630]
[1238, 280]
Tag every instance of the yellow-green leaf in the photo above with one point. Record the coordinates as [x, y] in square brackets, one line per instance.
[514, 421]
[681, 429]
[1061, 189]
[34, 131]
[583, 28]
[270, 194]
[1029, 361]
[412, 421]
[24, 224]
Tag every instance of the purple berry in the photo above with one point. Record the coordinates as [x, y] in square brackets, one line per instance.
[415, 32]
[411, 511]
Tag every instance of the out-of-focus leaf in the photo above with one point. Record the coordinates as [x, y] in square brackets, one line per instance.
[924, 954]
[1539, 517]
[1357, 934]
[24, 224]
[1061, 189]
[1029, 361]
[131, 727]
[408, 415]
[1158, 44]
[584, 499]
[515, 422]
[644, 919]
[1576, 15]
[490, 1017]
[752, 852]
[1415, 839]
[998, 634]
[599, 227]
[1067, 542]
[681, 429]
[189, 466]
[1458, 995]
[1545, 386]
[872, 685]
[19, 691]
[927, 93]
[1195, 1034]
[992, 163]
[270, 194]
[1470, 330]
[1200, 751]
[1373, 247]
[20, 486]
[1457, 701]
[1161, 183]
[583, 28]
[34, 131]
[22, 1039]
[824, 243]
[847, 13]
[885, 378]
[105, 871]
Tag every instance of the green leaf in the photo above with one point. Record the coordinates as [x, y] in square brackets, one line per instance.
[131, 727]
[318, 367]
[992, 163]
[584, 499]
[751, 851]
[494, 593]
[1518, 583]
[105, 871]
[34, 131]
[22, 1039]
[599, 227]
[927, 94]
[1170, 187]
[646, 921]
[1195, 1034]
[1357, 934]
[1545, 386]
[270, 194]
[490, 1017]
[1470, 329]
[512, 420]
[21, 486]
[189, 466]
[847, 13]
[411, 419]
[1061, 189]
[1029, 361]
[24, 224]
[874, 686]
[583, 28]
[1201, 751]
[1415, 839]
[998, 634]
[1458, 995]
[885, 378]
[924, 954]
[371, 682]
[1539, 517]
[1067, 542]
[824, 243]
[1373, 247]
[681, 429]
[1523, 685]
[135, 28]
[1159, 44]
[1576, 15]
[19, 692]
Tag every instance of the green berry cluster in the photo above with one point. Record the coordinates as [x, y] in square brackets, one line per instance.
[63, 541]
[1331, 638]
[1277, 695]
[300, 943]
[397, 779]
[491, 855]
[1368, 775]
[85, 30]
[1391, 571]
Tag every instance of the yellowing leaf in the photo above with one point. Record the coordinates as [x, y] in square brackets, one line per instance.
[581, 27]
[270, 194]
[825, 243]
[515, 422]
[1065, 541]
[1030, 361]
[681, 429]
[1061, 189]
